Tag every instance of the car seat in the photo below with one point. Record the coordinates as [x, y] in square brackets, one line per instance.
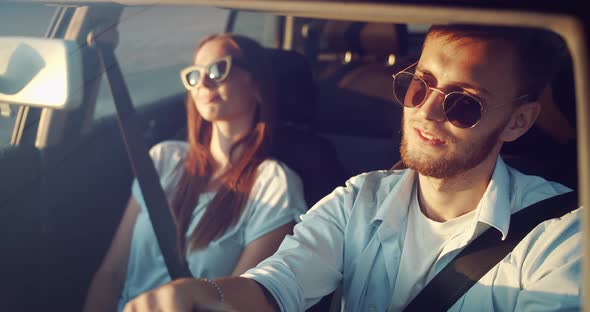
[355, 92]
[548, 149]
[296, 143]
[21, 232]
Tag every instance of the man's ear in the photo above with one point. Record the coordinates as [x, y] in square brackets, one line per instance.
[522, 119]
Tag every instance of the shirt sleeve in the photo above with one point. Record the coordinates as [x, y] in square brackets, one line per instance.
[308, 264]
[552, 268]
[276, 199]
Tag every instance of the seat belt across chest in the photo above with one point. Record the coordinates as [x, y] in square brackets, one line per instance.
[142, 165]
[484, 252]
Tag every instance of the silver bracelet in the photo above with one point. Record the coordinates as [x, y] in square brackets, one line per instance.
[217, 288]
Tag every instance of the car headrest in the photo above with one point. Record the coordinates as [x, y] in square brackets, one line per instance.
[382, 39]
[374, 39]
[294, 87]
[334, 36]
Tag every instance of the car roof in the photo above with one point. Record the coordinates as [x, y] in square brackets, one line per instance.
[302, 6]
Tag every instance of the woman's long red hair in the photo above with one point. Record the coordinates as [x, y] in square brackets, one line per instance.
[235, 184]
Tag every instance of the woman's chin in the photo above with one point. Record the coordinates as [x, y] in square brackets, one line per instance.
[209, 111]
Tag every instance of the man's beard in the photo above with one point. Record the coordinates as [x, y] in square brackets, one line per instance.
[450, 164]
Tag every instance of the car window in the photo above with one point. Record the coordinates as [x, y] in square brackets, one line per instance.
[20, 20]
[154, 44]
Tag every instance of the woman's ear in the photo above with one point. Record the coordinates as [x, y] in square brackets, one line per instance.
[522, 119]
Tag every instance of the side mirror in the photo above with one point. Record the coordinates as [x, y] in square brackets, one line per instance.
[41, 72]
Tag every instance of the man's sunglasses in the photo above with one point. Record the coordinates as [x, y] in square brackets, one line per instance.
[461, 109]
[216, 71]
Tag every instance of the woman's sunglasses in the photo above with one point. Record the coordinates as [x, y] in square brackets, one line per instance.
[216, 71]
[461, 109]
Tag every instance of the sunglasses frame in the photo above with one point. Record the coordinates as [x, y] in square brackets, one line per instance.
[205, 69]
[481, 106]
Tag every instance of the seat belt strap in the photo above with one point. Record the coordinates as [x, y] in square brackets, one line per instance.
[142, 165]
[484, 252]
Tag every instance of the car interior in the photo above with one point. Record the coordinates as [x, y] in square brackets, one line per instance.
[336, 119]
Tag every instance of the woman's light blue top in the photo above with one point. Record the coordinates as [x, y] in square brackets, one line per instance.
[276, 198]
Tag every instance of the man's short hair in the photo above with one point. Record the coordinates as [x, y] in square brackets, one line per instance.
[539, 52]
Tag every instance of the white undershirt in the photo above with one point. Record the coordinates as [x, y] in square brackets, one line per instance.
[423, 243]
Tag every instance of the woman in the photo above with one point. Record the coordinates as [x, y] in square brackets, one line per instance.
[232, 204]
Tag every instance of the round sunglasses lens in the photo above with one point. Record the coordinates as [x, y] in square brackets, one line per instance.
[218, 70]
[193, 77]
[463, 111]
[409, 90]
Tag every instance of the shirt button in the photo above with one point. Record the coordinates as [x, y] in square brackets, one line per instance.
[372, 308]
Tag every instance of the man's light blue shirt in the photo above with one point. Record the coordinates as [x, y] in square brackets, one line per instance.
[353, 238]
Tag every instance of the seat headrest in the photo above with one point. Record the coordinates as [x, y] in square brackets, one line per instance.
[334, 36]
[381, 39]
[377, 39]
[294, 87]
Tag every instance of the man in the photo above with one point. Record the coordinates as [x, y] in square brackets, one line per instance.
[386, 234]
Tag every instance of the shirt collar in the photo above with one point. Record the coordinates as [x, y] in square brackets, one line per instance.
[394, 208]
[494, 206]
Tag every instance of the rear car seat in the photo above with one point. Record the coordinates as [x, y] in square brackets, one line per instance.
[356, 105]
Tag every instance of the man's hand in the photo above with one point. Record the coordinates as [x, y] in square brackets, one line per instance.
[185, 294]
